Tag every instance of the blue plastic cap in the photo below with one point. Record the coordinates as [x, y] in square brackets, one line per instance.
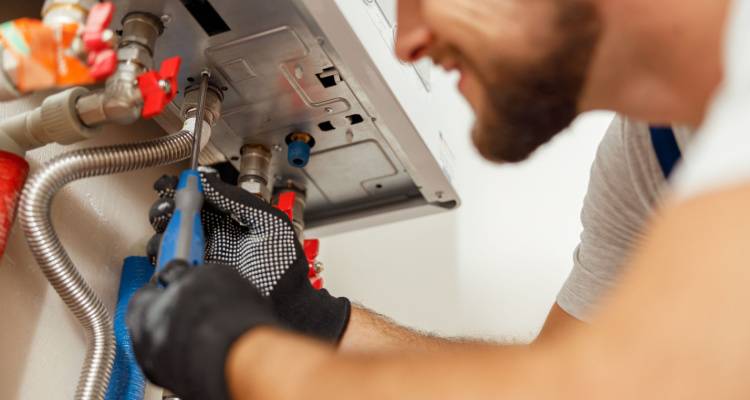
[299, 154]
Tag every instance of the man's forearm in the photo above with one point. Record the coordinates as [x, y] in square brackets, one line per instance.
[369, 331]
[293, 367]
[657, 339]
[372, 332]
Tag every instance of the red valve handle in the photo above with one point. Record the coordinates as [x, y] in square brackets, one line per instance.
[14, 170]
[286, 204]
[312, 248]
[102, 64]
[97, 22]
[102, 59]
[159, 88]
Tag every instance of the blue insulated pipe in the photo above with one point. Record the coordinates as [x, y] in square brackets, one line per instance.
[128, 382]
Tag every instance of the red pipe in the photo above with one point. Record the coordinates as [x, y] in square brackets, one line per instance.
[13, 172]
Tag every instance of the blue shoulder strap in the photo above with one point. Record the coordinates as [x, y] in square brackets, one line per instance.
[666, 148]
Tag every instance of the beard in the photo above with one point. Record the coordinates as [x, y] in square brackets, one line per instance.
[527, 105]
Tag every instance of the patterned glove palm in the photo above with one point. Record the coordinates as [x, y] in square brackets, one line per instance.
[259, 241]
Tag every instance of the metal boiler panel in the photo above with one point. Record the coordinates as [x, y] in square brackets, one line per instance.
[324, 67]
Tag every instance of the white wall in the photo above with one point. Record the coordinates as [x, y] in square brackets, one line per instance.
[493, 267]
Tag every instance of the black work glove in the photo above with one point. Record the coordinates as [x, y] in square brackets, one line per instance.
[259, 240]
[183, 329]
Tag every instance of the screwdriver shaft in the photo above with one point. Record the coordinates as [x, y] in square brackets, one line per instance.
[200, 112]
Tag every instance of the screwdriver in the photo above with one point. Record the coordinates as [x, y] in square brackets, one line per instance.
[184, 238]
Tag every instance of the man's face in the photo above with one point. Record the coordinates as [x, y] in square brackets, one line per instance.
[523, 63]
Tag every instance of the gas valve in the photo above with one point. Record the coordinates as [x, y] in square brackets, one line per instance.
[159, 88]
[310, 246]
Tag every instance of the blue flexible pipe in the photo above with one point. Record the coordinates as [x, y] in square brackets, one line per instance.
[128, 382]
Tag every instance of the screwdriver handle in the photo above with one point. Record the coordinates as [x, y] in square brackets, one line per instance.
[184, 239]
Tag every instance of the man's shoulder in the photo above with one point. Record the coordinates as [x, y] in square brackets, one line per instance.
[626, 162]
[624, 187]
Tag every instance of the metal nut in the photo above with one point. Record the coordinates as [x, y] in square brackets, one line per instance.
[166, 19]
[252, 186]
[214, 97]
[257, 188]
[135, 54]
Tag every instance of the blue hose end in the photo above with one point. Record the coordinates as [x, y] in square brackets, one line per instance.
[299, 154]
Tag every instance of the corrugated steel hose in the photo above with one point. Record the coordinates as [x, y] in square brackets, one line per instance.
[54, 261]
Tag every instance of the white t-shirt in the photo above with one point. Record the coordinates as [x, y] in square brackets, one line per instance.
[626, 186]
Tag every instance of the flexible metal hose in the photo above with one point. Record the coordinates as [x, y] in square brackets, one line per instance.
[54, 261]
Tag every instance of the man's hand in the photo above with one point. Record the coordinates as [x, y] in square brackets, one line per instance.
[183, 329]
[259, 240]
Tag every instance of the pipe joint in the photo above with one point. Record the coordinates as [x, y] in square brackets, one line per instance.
[55, 121]
[121, 101]
[59, 121]
[214, 97]
[141, 29]
[255, 166]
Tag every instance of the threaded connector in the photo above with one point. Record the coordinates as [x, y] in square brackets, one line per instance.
[59, 121]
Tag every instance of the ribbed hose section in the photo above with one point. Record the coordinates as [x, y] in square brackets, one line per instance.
[54, 261]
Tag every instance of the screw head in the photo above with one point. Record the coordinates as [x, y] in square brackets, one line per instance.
[165, 86]
[109, 37]
[166, 19]
[277, 148]
[318, 266]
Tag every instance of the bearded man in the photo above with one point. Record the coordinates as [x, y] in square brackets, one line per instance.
[661, 271]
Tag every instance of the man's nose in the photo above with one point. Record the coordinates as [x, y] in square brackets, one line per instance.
[413, 37]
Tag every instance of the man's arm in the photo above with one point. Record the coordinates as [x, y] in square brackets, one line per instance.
[558, 322]
[369, 332]
[372, 332]
[673, 329]
[614, 212]
[313, 370]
